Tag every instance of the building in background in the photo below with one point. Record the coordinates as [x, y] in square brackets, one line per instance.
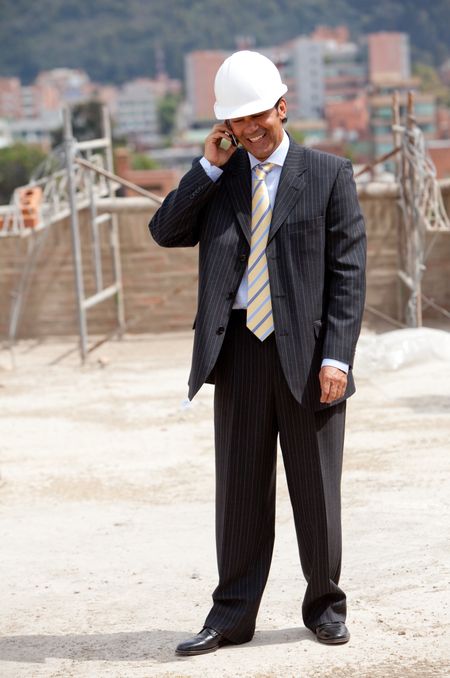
[137, 109]
[310, 132]
[31, 102]
[200, 68]
[389, 67]
[159, 181]
[339, 96]
[380, 106]
[34, 111]
[345, 81]
[444, 72]
[348, 119]
[63, 85]
[334, 34]
[10, 98]
[25, 115]
[443, 122]
[389, 57]
[107, 95]
[36, 131]
[136, 116]
[439, 151]
[5, 134]
[345, 70]
[307, 78]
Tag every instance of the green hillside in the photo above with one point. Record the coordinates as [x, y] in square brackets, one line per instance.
[114, 40]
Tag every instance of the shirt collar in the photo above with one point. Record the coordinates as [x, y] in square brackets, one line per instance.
[278, 156]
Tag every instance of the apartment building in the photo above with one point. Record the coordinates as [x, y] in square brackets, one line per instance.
[200, 69]
[389, 57]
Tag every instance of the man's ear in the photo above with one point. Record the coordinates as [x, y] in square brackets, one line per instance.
[282, 109]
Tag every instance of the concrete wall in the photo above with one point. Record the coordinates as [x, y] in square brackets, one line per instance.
[161, 284]
[385, 292]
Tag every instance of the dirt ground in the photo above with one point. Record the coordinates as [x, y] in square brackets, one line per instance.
[107, 518]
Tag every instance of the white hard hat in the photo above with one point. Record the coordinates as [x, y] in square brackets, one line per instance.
[246, 83]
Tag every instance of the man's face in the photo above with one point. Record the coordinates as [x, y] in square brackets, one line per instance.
[261, 133]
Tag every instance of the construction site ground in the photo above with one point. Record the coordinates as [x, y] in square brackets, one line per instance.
[107, 518]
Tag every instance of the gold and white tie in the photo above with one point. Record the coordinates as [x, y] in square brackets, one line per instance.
[259, 305]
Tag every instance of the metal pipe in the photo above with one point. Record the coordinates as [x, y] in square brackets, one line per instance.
[100, 296]
[114, 226]
[92, 144]
[96, 252]
[385, 317]
[69, 146]
[120, 180]
[377, 161]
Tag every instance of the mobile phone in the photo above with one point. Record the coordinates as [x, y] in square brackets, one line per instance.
[234, 141]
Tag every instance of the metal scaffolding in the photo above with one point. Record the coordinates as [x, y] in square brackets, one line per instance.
[72, 148]
[73, 177]
[422, 211]
[79, 174]
[421, 205]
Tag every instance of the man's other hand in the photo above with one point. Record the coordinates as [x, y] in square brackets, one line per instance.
[333, 383]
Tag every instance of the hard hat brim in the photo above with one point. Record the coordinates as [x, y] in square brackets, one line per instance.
[249, 108]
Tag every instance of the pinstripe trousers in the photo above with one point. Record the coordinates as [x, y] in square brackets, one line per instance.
[252, 405]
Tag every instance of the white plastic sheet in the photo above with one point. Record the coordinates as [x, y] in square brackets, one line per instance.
[394, 350]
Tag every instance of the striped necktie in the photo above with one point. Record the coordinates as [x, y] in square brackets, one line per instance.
[259, 305]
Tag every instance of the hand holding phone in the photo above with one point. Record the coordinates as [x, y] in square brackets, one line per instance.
[220, 144]
[233, 139]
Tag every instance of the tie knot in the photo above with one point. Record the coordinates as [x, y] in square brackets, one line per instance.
[262, 170]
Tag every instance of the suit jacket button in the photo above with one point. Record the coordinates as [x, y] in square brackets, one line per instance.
[242, 257]
[220, 330]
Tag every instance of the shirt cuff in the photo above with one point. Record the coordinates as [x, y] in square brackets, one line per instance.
[335, 363]
[211, 170]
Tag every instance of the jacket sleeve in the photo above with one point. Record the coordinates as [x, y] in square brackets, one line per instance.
[177, 222]
[345, 268]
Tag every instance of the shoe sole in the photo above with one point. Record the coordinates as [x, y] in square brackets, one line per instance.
[334, 641]
[192, 653]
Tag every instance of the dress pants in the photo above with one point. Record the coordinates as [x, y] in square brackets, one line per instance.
[252, 405]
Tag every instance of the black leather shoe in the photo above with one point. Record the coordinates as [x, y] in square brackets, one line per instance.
[207, 640]
[332, 633]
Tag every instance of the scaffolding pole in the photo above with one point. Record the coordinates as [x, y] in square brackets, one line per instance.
[114, 227]
[69, 146]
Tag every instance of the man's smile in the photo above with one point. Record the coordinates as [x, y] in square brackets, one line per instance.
[253, 140]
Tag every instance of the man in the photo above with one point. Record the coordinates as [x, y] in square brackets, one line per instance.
[281, 294]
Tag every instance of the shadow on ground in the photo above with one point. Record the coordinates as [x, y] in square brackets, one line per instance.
[157, 645]
[426, 404]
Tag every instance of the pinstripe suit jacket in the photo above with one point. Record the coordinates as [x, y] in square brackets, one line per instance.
[315, 254]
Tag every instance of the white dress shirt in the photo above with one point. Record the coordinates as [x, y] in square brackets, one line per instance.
[272, 180]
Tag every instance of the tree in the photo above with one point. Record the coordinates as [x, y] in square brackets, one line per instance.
[16, 165]
[431, 83]
[141, 161]
[167, 111]
[114, 40]
[86, 123]
[296, 134]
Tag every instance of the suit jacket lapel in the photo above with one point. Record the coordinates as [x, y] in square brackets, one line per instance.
[292, 183]
[239, 186]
